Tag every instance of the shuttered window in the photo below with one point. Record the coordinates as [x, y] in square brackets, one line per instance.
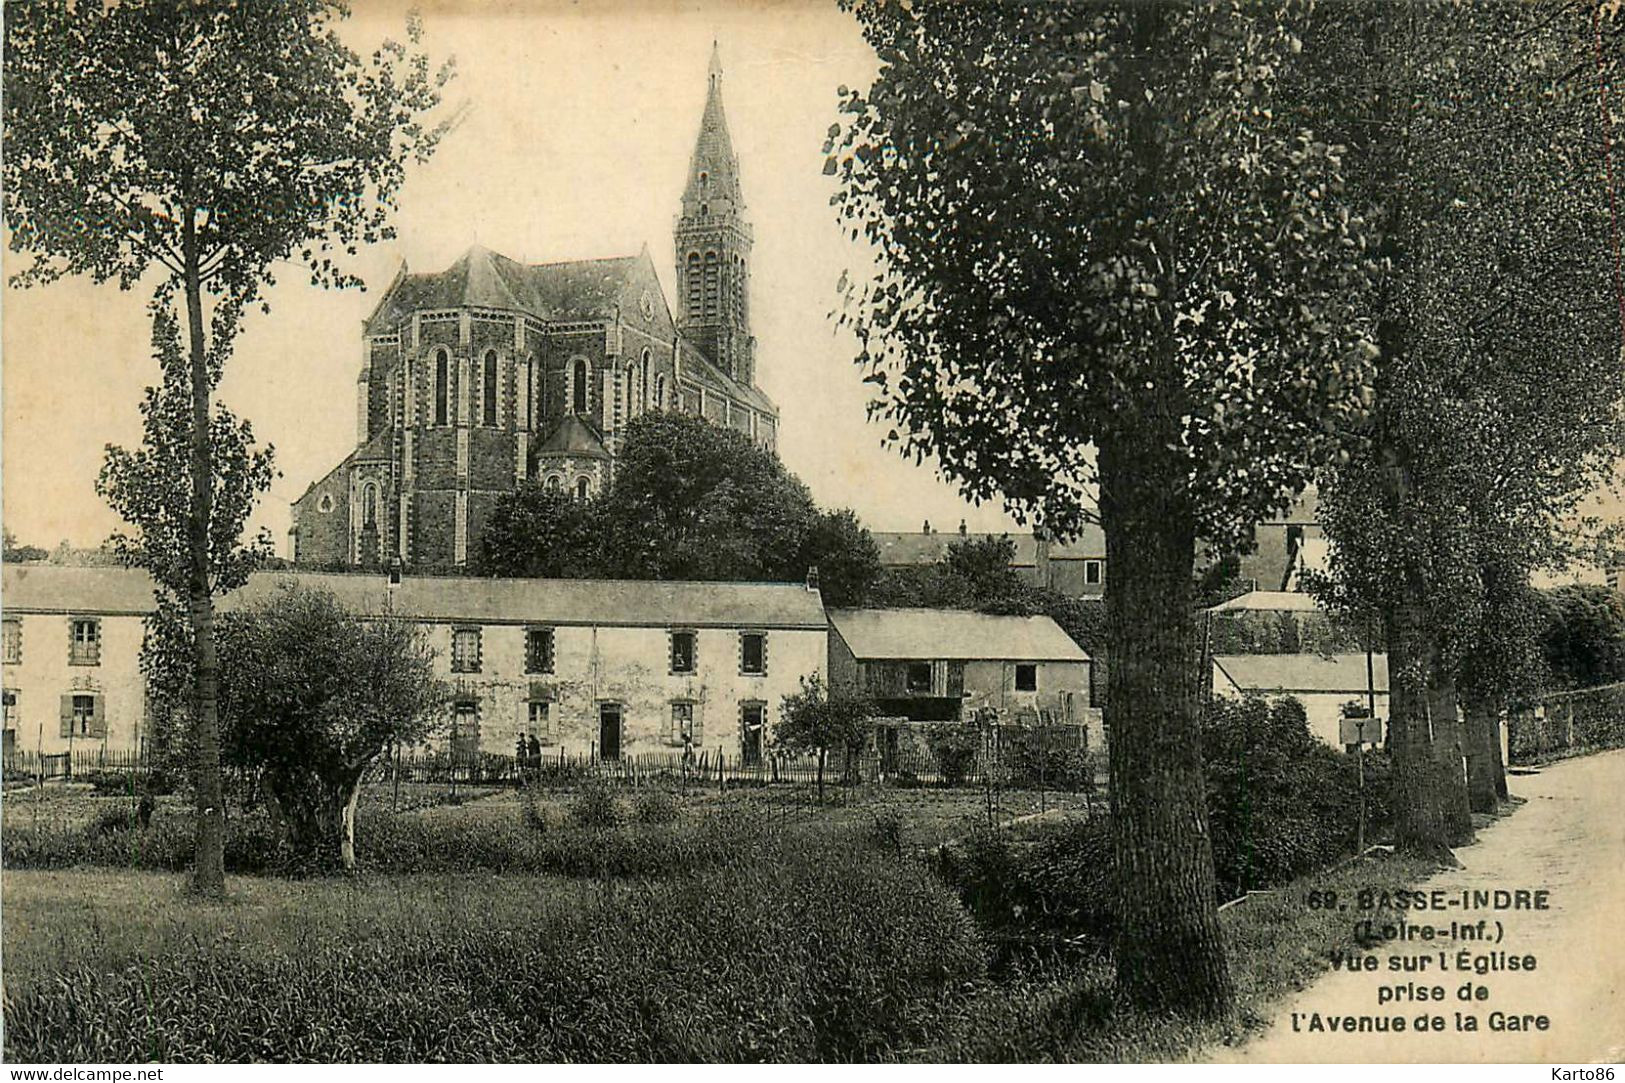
[82, 715]
[14, 642]
[682, 652]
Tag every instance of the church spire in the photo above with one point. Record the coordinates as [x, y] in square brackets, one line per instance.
[713, 244]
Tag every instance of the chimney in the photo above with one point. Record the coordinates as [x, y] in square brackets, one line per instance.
[927, 528]
[812, 578]
[961, 528]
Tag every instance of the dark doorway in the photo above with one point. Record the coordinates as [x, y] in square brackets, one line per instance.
[609, 731]
[753, 717]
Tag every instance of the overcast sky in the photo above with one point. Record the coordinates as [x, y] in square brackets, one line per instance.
[582, 118]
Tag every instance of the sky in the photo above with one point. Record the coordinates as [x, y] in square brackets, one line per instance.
[580, 122]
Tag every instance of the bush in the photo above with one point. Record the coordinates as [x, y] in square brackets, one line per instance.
[955, 747]
[1280, 801]
[888, 833]
[824, 953]
[1060, 884]
[595, 805]
[655, 807]
[530, 808]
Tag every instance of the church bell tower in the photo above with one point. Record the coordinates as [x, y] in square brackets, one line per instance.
[713, 246]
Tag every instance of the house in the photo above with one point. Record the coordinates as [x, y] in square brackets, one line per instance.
[1322, 683]
[606, 668]
[1076, 568]
[930, 665]
[71, 665]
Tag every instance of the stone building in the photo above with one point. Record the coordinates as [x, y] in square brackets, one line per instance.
[491, 372]
[606, 668]
[71, 667]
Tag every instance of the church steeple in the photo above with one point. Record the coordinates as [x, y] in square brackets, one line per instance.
[713, 244]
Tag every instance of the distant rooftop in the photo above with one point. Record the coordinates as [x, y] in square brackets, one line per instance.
[953, 633]
[922, 547]
[1270, 601]
[129, 592]
[1307, 673]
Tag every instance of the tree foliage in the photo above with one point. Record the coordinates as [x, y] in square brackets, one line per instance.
[1103, 228]
[689, 500]
[310, 696]
[151, 487]
[821, 719]
[207, 143]
[1475, 133]
[1582, 638]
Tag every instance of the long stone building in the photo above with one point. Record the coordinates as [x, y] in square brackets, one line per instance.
[491, 372]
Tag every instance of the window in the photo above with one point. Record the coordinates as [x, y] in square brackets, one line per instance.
[643, 381]
[85, 642]
[325, 504]
[83, 716]
[541, 720]
[578, 386]
[538, 650]
[682, 723]
[369, 507]
[711, 278]
[682, 652]
[529, 394]
[752, 730]
[631, 395]
[1094, 571]
[555, 483]
[488, 389]
[693, 285]
[752, 652]
[465, 650]
[918, 677]
[1026, 677]
[660, 392]
[14, 642]
[442, 386]
[465, 728]
[583, 488]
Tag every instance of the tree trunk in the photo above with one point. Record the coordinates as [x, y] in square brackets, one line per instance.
[1450, 754]
[1419, 826]
[347, 825]
[1170, 954]
[1485, 780]
[821, 753]
[209, 858]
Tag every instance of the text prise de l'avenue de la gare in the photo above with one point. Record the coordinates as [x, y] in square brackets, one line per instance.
[1434, 960]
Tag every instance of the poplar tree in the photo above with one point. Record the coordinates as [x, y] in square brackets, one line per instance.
[193, 149]
[1111, 260]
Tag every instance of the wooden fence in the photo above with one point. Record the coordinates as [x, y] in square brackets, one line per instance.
[1023, 757]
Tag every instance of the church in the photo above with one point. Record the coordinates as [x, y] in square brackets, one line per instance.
[492, 373]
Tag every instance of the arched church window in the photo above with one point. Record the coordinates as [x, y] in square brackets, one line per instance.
[488, 389]
[630, 395]
[578, 386]
[711, 281]
[694, 285]
[583, 488]
[554, 483]
[369, 506]
[705, 210]
[442, 389]
[660, 392]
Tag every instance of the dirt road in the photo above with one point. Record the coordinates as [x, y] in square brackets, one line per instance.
[1568, 839]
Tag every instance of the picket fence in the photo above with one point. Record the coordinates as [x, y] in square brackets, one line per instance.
[1025, 758]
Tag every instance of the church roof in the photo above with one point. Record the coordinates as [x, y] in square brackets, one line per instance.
[713, 150]
[699, 368]
[573, 436]
[481, 278]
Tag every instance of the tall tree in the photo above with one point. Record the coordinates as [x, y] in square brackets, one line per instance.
[203, 144]
[1476, 146]
[1099, 224]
